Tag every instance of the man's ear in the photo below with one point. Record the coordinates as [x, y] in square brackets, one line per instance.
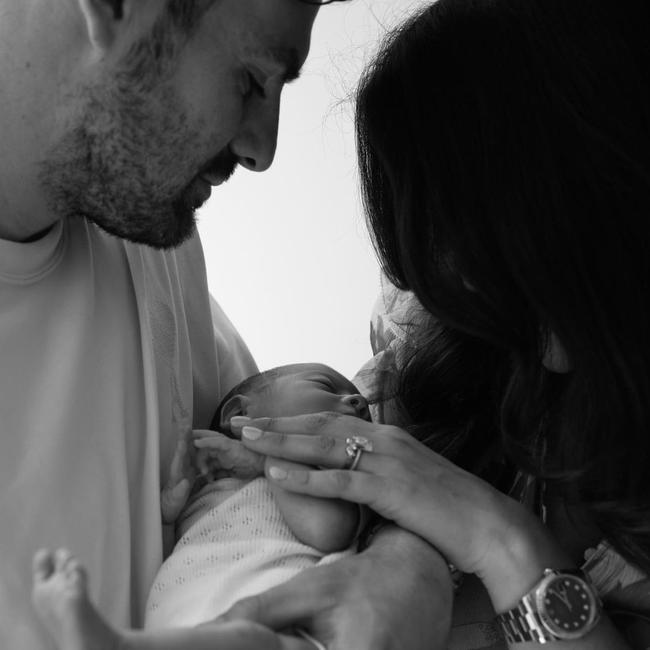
[103, 19]
[235, 405]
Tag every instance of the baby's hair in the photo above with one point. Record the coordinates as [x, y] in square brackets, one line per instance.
[258, 383]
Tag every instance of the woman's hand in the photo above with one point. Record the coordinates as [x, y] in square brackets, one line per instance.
[396, 594]
[473, 525]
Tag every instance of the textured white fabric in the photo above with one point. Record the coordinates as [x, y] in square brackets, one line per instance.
[107, 356]
[234, 543]
[395, 315]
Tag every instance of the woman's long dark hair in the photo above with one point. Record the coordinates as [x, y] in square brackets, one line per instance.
[504, 148]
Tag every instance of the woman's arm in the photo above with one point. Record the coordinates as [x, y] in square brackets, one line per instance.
[518, 564]
[476, 527]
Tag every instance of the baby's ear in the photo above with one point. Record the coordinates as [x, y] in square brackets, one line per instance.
[235, 405]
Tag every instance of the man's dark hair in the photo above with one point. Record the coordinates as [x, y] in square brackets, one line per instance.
[185, 14]
[148, 59]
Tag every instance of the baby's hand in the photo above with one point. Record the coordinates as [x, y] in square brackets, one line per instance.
[220, 456]
[177, 489]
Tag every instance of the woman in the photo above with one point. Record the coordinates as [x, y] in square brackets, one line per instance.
[505, 159]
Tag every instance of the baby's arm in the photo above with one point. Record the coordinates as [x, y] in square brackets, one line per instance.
[325, 524]
[328, 525]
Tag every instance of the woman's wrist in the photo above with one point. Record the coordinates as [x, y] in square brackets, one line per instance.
[520, 553]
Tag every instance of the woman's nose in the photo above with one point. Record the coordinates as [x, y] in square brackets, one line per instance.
[359, 404]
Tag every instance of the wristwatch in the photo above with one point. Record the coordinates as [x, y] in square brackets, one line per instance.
[563, 605]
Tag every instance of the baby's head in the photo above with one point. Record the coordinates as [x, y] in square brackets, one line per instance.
[295, 389]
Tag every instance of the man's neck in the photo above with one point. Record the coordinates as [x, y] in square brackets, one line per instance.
[40, 234]
[23, 235]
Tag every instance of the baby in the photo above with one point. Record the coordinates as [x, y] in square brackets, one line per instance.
[237, 535]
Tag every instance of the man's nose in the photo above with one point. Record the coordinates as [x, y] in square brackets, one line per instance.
[256, 141]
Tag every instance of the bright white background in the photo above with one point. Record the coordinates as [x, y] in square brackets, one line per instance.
[287, 252]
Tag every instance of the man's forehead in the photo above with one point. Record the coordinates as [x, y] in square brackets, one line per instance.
[273, 32]
[287, 59]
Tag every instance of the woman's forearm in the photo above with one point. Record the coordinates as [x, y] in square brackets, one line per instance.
[524, 554]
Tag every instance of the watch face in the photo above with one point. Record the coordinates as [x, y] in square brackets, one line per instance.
[567, 606]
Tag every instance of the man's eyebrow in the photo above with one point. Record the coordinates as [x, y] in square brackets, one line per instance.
[289, 58]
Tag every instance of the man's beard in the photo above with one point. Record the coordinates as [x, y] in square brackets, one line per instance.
[130, 165]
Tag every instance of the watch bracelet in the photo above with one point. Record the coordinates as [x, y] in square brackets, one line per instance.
[510, 623]
[524, 623]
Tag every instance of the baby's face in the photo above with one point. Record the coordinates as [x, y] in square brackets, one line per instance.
[307, 388]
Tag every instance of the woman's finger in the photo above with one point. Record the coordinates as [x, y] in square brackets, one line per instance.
[359, 487]
[321, 450]
[330, 423]
[335, 449]
[201, 434]
[220, 444]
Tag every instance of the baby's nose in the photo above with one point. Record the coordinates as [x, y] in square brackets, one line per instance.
[359, 404]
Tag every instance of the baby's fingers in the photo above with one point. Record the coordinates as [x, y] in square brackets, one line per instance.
[227, 454]
[207, 433]
[220, 444]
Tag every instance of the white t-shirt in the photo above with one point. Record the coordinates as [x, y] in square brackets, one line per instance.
[107, 355]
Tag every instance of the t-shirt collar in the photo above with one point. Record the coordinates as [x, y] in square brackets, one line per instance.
[26, 262]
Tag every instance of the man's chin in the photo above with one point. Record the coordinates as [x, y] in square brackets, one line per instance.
[162, 233]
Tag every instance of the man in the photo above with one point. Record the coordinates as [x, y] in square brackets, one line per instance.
[117, 117]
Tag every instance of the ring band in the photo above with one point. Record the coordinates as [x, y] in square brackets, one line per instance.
[354, 448]
[308, 637]
[355, 460]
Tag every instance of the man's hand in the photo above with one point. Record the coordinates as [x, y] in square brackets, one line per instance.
[395, 595]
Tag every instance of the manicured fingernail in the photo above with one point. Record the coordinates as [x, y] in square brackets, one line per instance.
[277, 473]
[251, 433]
[239, 421]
